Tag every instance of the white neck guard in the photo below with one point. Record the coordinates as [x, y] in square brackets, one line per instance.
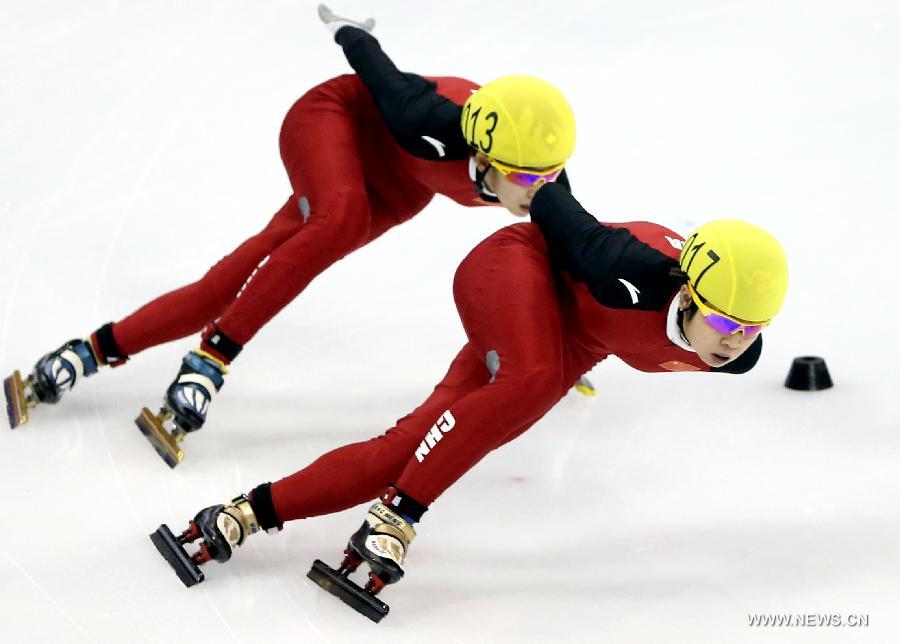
[672, 328]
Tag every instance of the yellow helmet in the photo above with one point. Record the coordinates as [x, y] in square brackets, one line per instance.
[520, 121]
[738, 268]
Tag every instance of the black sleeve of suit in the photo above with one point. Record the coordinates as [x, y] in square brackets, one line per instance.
[410, 104]
[602, 256]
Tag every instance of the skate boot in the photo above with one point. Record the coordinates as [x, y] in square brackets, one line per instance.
[53, 375]
[185, 405]
[381, 542]
[220, 528]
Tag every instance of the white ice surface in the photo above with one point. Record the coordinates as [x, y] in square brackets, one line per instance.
[138, 144]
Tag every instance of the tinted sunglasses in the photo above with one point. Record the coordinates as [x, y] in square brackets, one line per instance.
[527, 177]
[722, 323]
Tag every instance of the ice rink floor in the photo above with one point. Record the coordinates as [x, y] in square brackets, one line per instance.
[139, 145]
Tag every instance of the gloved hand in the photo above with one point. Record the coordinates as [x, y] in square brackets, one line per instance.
[334, 22]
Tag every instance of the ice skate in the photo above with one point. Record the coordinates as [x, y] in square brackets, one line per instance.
[53, 375]
[185, 405]
[381, 542]
[220, 529]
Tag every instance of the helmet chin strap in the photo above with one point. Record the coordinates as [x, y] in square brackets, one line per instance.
[477, 177]
[681, 315]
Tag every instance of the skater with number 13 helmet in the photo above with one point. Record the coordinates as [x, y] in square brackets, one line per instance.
[541, 305]
[363, 153]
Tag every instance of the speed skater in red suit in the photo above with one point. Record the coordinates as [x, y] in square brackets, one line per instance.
[541, 304]
[363, 153]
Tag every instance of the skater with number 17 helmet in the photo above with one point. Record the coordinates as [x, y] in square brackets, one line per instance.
[363, 153]
[541, 305]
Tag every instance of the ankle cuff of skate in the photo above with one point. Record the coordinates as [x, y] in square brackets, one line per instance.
[106, 350]
[220, 345]
[261, 499]
[403, 504]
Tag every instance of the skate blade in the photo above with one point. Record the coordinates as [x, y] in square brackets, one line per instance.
[348, 592]
[16, 400]
[163, 442]
[585, 387]
[172, 551]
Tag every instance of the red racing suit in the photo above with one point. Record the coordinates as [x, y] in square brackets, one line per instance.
[532, 331]
[363, 153]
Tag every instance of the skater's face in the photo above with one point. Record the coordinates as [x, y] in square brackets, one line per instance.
[515, 198]
[714, 348]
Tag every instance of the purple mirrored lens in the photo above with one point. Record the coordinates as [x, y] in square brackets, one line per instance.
[721, 324]
[528, 179]
[726, 327]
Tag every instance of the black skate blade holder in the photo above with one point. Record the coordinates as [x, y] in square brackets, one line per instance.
[18, 400]
[347, 591]
[172, 550]
[165, 443]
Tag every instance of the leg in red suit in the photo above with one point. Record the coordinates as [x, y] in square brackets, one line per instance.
[514, 368]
